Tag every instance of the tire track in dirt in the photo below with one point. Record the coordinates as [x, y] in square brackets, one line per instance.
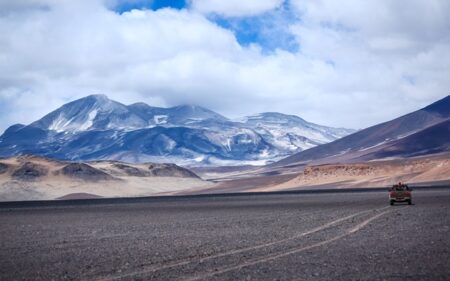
[183, 262]
[268, 258]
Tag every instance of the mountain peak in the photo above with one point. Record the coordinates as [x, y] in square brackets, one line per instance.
[100, 101]
[274, 117]
[189, 111]
[84, 114]
[98, 97]
[277, 115]
[441, 107]
[95, 98]
[139, 104]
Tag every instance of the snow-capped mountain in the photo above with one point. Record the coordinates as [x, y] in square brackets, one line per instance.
[96, 127]
[183, 115]
[292, 133]
[95, 112]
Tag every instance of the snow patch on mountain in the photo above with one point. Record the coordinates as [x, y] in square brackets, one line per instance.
[160, 119]
[88, 123]
[59, 124]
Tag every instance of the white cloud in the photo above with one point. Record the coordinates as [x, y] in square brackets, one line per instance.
[379, 49]
[235, 8]
[359, 63]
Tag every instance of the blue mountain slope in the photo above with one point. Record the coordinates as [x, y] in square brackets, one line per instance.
[96, 127]
[361, 145]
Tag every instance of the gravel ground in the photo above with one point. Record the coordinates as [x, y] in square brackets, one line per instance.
[348, 236]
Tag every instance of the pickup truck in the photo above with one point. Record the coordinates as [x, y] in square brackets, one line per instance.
[400, 193]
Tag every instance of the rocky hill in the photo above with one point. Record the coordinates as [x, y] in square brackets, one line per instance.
[36, 178]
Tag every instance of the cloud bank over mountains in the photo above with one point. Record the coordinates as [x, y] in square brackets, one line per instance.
[356, 63]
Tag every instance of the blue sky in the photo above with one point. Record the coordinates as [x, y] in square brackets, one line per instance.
[124, 6]
[320, 60]
[268, 30]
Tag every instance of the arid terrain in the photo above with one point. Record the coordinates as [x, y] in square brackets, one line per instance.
[417, 171]
[319, 236]
[38, 178]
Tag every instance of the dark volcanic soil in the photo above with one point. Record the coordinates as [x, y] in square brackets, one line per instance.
[340, 236]
[131, 171]
[170, 170]
[3, 168]
[29, 171]
[85, 172]
[156, 170]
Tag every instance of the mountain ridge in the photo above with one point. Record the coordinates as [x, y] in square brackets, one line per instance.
[353, 146]
[95, 127]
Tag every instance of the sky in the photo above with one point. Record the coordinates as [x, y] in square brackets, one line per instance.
[347, 63]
